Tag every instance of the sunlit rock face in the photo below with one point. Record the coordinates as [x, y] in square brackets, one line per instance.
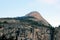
[27, 31]
[29, 27]
[38, 17]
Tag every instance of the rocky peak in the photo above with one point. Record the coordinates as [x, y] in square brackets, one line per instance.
[38, 17]
[34, 14]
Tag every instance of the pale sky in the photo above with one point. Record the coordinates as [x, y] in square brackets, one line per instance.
[49, 9]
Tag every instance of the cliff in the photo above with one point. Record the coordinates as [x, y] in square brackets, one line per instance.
[29, 27]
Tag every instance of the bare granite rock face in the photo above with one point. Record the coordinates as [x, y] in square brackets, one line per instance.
[29, 27]
[38, 17]
[27, 32]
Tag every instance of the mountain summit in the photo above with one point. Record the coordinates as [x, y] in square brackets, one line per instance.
[38, 17]
[35, 14]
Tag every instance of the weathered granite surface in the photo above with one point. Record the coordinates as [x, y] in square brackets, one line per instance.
[30, 27]
[27, 29]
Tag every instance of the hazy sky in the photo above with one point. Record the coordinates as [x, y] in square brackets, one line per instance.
[49, 9]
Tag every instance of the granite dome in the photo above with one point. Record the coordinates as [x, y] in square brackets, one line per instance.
[38, 17]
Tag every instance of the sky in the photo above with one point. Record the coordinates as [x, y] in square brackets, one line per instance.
[49, 9]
